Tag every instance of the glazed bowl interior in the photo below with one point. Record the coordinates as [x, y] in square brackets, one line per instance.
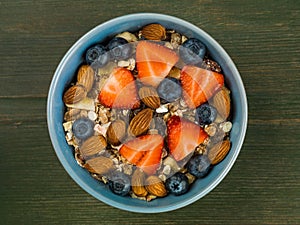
[65, 73]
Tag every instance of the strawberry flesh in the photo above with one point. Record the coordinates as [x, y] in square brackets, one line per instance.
[199, 85]
[183, 137]
[144, 152]
[120, 90]
[154, 62]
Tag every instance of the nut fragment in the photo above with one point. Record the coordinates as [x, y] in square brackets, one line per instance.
[175, 73]
[116, 132]
[85, 104]
[169, 45]
[127, 168]
[175, 39]
[218, 152]
[211, 129]
[191, 178]
[172, 163]
[92, 115]
[162, 109]
[100, 165]
[78, 157]
[85, 77]
[129, 64]
[155, 186]
[167, 169]
[226, 126]
[149, 96]
[152, 131]
[154, 32]
[102, 129]
[74, 94]
[221, 101]
[67, 125]
[211, 65]
[127, 36]
[183, 38]
[138, 182]
[163, 177]
[92, 145]
[103, 116]
[141, 122]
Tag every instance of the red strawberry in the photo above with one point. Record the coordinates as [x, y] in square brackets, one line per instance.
[154, 62]
[183, 137]
[199, 84]
[120, 90]
[144, 152]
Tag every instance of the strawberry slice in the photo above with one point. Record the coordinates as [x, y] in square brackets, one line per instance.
[154, 62]
[183, 137]
[199, 84]
[144, 152]
[120, 90]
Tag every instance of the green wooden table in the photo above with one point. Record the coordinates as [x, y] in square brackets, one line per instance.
[262, 37]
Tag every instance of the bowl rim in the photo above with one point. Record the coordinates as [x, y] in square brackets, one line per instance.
[76, 177]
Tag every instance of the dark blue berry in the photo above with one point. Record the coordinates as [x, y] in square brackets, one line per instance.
[83, 128]
[177, 184]
[199, 166]
[169, 89]
[97, 56]
[206, 114]
[119, 48]
[119, 183]
[192, 51]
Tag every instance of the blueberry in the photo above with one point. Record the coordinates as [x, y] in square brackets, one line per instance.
[83, 128]
[97, 56]
[119, 48]
[192, 51]
[169, 89]
[199, 166]
[119, 183]
[206, 114]
[177, 184]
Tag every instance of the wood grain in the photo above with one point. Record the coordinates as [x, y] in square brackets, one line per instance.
[262, 37]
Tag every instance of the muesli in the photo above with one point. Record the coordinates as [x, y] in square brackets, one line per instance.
[148, 113]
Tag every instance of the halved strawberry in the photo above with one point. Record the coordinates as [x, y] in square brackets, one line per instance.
[199, 84]
[154, 62]
[144, 152]
[120, 90]
[183, 137]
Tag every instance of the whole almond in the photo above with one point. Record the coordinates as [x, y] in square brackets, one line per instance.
[85, 77]
[149, 96]
[154, 32]
[74, 94]
[71, 114]
[155, 186]
[218, 152]
[221, 101]
[116, 132]
[92, 145]
[138, 182]
[100, 165]
[141, 122]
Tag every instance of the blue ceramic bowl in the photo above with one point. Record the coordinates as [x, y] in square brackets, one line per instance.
[64, 74]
